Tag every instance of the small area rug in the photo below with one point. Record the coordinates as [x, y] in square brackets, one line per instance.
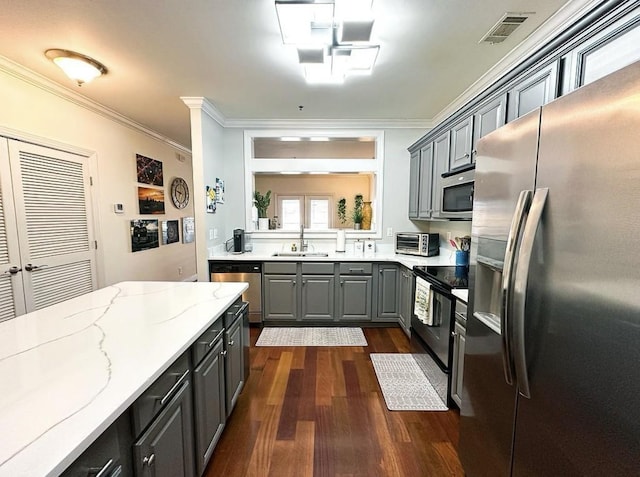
[404, 385]
[319, 336]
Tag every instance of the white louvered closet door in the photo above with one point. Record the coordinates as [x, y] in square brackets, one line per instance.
[55, 233]
[11, 288]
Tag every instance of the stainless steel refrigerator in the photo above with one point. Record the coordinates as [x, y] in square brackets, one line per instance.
[552, 364]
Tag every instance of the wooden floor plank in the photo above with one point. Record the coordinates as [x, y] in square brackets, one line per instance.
[319, 412]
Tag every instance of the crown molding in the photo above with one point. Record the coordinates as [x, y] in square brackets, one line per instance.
[557, 23]
[31, 77]
[199, 102]
[330, 123]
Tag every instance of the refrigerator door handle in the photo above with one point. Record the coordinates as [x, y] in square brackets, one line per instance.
[520, 288]
[522, 206]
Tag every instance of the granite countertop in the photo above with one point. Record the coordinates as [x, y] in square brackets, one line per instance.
[69, 370]
[445, 258]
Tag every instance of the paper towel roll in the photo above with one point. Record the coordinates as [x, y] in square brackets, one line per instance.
[340, 241]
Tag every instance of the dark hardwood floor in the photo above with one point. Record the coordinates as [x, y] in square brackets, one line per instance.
[318, 411]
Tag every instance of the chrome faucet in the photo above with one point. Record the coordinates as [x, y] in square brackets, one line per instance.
[303, 246]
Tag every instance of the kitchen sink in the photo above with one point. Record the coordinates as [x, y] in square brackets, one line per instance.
[300, 254]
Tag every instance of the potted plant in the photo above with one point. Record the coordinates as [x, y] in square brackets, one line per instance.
[262, 204]
[356, 215]
[342, 210]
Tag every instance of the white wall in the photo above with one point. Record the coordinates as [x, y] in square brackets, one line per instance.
[396, 179]
[41, 112]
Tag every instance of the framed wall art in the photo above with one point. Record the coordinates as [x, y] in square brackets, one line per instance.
[211, 199]
[170, 232]
[150, 201]
[188, 229]
[149, 170]
[144, 234]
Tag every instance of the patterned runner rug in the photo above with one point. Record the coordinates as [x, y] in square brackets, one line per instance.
[403, 383]
[319, 336]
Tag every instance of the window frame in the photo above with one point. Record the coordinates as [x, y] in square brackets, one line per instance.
[300, 166]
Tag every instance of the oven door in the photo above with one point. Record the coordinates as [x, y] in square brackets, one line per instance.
[437, 337]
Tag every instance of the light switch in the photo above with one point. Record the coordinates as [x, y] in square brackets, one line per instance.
[210, 234]
[389, 232]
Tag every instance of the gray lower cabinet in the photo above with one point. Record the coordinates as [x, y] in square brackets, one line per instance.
[233, 364]
[110, 454]
[209, 401]
[406, 299]
[166, 448]
[459, 343]
[388, 291]
[280, 299]
[318, 297]
[354, 298]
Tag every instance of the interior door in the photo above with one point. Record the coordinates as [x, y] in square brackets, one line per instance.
[51, 216]
[11, 289]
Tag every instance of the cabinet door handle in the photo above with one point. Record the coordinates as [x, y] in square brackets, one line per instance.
[173, 388]
[341, 282]
[466, 155]
[216, 338]
[223, 353]
[231, 343]
[102, 472]
[149, 461]
[293, 283]
[361, 270]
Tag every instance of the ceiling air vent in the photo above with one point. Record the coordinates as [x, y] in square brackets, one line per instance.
[505, 27]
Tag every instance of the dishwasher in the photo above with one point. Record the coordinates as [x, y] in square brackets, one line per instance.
[249, 272]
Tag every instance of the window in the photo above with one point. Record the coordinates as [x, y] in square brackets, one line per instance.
[312, 211]
[310, 174]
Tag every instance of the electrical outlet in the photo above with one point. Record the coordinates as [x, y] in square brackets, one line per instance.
[179, 270]
[389, 232]
[215, 233]
[448, 235]
[210, 234]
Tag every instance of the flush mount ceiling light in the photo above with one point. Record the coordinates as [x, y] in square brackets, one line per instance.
[332, 37]
[79, 68]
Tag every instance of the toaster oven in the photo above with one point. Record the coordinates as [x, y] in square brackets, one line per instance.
[418, 243]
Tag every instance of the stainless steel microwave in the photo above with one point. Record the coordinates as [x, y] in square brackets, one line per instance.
[418, 243]
[457, 193]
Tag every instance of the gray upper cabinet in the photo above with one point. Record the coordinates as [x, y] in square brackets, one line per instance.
[388, 288]
[611, 49]
[532, 91]
[441, 149]
[318, 297]
[461, 137]
[488, 118]
[426, 174]
[414, 184]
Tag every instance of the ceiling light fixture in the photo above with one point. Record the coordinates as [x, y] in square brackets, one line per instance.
[79, 68]
[332, 37]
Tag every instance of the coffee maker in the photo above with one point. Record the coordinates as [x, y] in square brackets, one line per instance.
[238, 240]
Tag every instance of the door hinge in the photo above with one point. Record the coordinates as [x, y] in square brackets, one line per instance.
[90, 180]
[95, 244]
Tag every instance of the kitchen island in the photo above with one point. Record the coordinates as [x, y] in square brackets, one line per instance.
[70, 370]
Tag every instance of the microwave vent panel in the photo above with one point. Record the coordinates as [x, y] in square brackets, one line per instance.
[505, 27]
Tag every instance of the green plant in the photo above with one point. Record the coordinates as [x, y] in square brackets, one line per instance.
[262, 202]
[356, 215]
[342, 210]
